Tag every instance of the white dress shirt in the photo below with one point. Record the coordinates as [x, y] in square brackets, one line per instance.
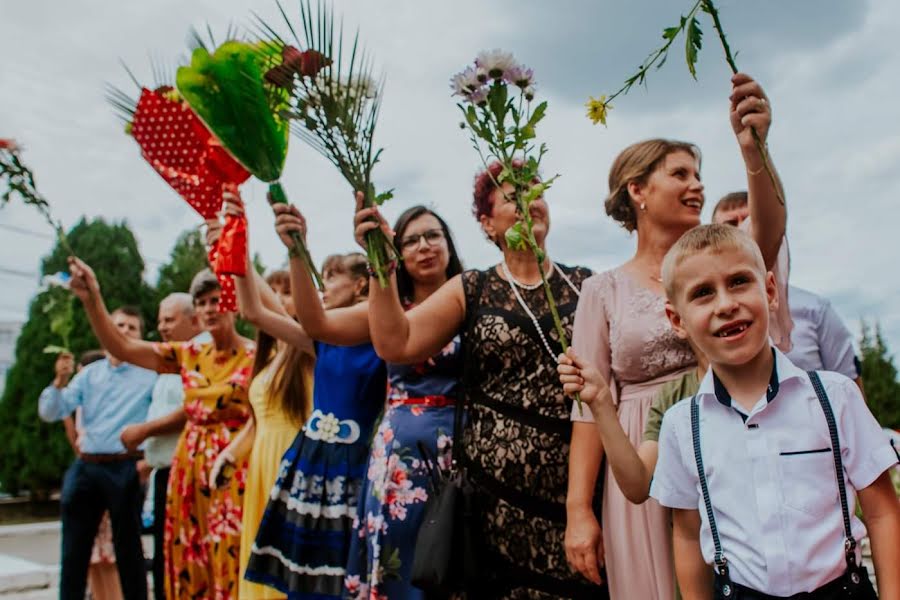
[821, 340]
[771, 476]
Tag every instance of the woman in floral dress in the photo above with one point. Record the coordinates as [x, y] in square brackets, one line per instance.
[203, 525]
[516, 444]
[421, 406]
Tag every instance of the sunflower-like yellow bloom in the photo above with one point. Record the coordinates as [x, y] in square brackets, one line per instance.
[597, 109]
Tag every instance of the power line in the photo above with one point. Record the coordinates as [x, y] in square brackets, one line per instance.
[46, 236]
[19, 273]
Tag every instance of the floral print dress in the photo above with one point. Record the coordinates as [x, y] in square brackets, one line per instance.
[202, 534]
[421, 405]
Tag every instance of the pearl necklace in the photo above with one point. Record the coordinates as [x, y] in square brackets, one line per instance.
[528, 286]
[513, 286]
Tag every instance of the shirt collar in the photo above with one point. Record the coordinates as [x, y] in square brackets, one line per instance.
[782, 370]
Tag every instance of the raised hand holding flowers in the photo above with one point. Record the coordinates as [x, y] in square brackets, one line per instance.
[497, 93]
[335, 100]
[598, 108]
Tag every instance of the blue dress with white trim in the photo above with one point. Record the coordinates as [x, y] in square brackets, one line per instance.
[302, 545]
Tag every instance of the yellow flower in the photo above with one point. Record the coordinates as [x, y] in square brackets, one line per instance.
[597, 109]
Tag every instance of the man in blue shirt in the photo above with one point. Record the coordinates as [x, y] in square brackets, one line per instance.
[111, 394]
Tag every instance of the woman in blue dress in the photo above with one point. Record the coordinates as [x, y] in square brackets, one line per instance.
[420, 408]
[303, 541]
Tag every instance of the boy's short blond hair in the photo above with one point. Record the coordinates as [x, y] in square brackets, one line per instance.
[714, 238]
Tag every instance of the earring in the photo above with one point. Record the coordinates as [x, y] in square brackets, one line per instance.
[643, 206]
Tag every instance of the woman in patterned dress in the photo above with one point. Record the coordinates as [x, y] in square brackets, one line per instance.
[621, 329]
[517, 438]
[420, 409]
[203, 525]
[303, 540]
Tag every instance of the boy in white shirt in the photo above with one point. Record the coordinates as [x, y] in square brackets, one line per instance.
[771, 519]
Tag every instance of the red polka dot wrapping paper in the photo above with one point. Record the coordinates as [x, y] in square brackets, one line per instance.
[193, 162]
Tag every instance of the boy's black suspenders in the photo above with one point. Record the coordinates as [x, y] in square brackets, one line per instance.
[855, 582]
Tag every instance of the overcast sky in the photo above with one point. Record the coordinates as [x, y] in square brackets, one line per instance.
[829, 67]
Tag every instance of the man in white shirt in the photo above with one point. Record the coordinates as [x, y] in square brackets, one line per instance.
[764, 449]
[165, 421]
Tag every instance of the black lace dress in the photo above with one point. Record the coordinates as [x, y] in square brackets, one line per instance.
[517, 437]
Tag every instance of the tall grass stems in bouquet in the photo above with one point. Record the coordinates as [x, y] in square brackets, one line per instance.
[598, 108]
[497, 94]
[227, 90]
[335, 101]
[59, 306]
[19, 180]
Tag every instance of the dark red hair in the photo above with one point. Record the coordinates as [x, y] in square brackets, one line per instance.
[485, 184]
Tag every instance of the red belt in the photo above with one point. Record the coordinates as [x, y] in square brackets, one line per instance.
[434, 401]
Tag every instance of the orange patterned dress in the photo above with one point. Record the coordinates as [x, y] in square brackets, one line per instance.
[203, 526]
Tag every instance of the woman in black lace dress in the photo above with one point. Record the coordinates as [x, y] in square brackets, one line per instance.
[517, 439]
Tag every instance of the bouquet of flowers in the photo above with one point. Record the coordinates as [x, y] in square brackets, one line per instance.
[227, 91]
[598, 108]
[192, 161]
[19, 180]
[334, 105]
[497, 94]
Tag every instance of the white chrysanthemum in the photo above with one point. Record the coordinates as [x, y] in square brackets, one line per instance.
[519, 75]
[465, 83]
[495, 62]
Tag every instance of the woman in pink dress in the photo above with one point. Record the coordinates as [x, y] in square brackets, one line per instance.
[621, 327]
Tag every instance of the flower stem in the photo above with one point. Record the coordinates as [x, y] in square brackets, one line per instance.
[710, 8]
[277, 193]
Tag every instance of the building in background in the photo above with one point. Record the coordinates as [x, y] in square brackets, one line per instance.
[9, 332]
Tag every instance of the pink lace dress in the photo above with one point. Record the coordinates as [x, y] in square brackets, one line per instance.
[621, 327]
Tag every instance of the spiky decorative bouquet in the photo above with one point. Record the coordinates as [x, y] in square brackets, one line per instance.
[227, 90]
[335, 101]
[598, 108]
[497, 93]
[19, 180]
[189, 158]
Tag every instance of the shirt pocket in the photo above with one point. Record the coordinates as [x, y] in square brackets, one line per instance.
[807, 477]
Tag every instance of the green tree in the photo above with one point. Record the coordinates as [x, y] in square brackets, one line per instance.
[880, 377]
[35, 453]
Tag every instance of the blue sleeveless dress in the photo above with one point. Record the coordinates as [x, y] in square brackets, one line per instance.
[421, 404]
[303, 541]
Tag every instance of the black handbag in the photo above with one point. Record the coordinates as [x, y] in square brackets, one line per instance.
[854, 584]
[445, 559]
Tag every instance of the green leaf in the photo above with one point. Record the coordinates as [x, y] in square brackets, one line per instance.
[693, 43]
[538, 114]
[670, 33]
[515, 239]
[384, 197]
[51, 349]
[497, 100]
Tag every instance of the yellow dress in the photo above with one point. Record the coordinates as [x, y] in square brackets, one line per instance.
[275, 431]
[203, 526]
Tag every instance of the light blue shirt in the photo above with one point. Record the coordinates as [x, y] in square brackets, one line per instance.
[110, 398]
[168, 396]
[821, 340]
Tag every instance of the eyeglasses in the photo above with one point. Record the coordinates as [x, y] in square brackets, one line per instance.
[432, 237]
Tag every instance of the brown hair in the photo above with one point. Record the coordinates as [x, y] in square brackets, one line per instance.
[715, 238]
[730, 201]
[354, 264]
[280, 278]
[89, 356]
[635, 164]
[203, 283]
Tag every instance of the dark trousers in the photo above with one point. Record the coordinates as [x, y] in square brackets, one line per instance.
[160, 484]
[88, 490]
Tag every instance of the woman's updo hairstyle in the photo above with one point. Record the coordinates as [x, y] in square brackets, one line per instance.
[635, 164]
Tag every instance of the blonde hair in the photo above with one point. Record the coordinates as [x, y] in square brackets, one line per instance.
[713, 238]
[635, 164]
